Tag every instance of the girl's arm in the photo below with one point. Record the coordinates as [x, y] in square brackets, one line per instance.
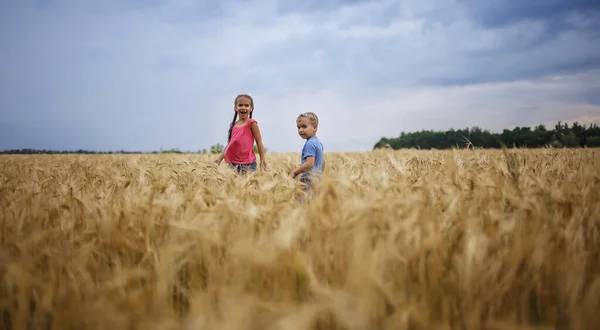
[259, 144]
[220, 159]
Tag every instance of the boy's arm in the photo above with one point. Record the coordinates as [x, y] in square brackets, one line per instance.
[310, 162]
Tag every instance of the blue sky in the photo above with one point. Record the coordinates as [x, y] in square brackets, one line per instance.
[144, 75]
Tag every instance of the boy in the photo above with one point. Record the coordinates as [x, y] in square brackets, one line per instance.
[313, 156]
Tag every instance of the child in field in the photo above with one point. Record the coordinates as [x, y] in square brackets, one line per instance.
[313, 155]
[239, 152]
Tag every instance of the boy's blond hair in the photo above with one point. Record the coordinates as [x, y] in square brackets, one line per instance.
[311, 116]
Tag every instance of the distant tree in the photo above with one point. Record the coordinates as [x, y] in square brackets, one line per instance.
[569, 140]
[520, 137]
[593, 142]
[556, 144]
[216, 149]
[256, 149]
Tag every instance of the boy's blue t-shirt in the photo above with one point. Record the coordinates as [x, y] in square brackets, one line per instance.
[313, 147]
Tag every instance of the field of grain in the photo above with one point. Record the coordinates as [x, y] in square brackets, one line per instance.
[464, 239]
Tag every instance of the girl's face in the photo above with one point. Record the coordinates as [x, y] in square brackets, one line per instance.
[306, 129]
[243, 107]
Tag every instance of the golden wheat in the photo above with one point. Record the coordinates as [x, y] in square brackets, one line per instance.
[461, 239]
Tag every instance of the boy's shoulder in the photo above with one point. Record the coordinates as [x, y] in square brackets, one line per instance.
[314, 141]
[318, 141]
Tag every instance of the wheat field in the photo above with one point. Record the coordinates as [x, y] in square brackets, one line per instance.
[456, 239]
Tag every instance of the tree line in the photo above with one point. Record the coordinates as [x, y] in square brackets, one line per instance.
[562, 135]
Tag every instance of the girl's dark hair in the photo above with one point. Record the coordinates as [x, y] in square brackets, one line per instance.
[235, 112]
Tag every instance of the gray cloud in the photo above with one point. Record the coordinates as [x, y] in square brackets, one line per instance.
[499, 13]
[144, 75]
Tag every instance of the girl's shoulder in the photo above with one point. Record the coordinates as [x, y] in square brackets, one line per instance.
[248, 125]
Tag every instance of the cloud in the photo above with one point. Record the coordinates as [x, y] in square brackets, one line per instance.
[138, 75]
[499, 13]
[494, 106]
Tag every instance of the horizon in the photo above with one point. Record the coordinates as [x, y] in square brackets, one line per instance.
[206, 150]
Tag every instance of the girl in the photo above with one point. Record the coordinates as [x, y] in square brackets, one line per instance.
[239, 152]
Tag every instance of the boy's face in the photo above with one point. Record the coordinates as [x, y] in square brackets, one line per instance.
[306, 129]
[243, 107]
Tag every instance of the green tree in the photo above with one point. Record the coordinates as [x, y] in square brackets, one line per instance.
[561, 135]
[256, 149]
[593, 142]
[216, 149]
[569, 140]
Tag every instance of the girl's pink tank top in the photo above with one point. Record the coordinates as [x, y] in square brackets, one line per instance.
[240, 149]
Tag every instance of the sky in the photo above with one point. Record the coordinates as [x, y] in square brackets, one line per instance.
[144, 75]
